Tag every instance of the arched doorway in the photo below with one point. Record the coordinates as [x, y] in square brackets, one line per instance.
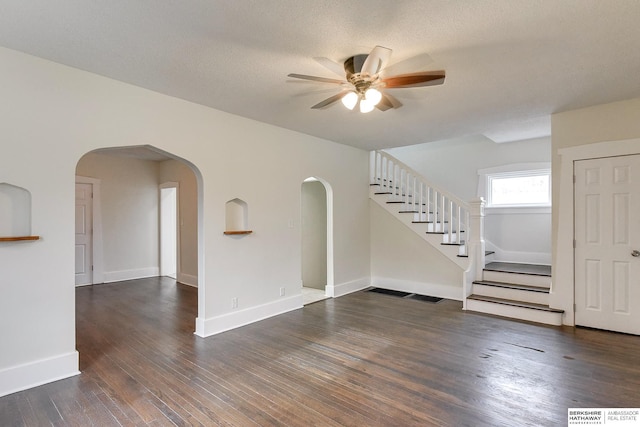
[317, 240]
[127, 215]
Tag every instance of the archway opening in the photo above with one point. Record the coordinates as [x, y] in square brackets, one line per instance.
[127, 216]
[317, 240]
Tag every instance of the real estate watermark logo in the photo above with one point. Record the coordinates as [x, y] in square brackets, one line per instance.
[603, 416]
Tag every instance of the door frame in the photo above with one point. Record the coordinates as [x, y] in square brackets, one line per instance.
[329, 289]
[96, 240]
[562, 294]
[176, 186]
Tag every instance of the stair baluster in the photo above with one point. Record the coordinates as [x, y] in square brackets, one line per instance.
[442, 212]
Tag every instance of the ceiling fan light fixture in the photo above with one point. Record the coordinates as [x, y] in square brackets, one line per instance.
[350, 100]
[373, 96]
[366, 106]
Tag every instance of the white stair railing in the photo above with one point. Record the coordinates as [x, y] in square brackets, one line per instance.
[441, 211]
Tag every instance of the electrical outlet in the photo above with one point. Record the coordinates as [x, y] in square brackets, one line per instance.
[234, 302]
[281, 292]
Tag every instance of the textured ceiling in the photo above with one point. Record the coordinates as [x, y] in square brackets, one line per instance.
[509, 63]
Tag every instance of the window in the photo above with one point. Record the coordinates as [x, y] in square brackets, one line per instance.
[525, 188]
[516, 187]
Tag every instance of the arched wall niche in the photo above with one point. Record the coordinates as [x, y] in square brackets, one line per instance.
[236, 217]
[15, 211]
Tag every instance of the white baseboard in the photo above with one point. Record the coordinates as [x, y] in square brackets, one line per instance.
[39, 372]
[188, 279]
[347, 287]
[238, 318]
[517, 256]
[430, 289]
[137, 273]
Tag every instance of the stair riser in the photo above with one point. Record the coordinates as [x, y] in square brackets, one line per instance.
[518, 279]
[452, 239]
[528, 314]
[512, 294]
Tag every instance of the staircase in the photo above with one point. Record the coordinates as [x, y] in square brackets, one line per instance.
[438, 217]
[455, 228]
[519, 291]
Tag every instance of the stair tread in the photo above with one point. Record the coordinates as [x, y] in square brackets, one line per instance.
[515, 303]
[460, 243]
[518, 268]
[512, 286]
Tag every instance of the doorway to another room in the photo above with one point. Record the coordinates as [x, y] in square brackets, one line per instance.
[317, 259]
[607, 243]
[148, 205]
[169, 230]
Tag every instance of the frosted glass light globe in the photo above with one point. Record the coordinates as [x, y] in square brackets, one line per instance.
[350, 100]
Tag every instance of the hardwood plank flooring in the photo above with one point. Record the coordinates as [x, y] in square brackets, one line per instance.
[514, 267]
[365, 359]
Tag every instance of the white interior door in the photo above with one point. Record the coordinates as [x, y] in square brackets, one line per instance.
[169, 232]
[84, 244]
[607, 232]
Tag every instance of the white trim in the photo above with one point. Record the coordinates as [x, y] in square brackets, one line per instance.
[136, 273]
[329, 206]
[236, 319]
[515, 210]
[36, 373]
[513, 170]
[421, 288]
[515, 167]
[514, 312]
[502, 255]
[188, 279]
[97, 249]
[345, 288]
[562, 290]
[176, 185]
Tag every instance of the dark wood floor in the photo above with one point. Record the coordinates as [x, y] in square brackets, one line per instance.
[514, 267]
[365, 359]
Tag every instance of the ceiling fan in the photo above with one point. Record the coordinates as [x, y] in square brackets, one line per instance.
[365, 82]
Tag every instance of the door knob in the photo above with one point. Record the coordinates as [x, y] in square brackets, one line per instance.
[635, 253]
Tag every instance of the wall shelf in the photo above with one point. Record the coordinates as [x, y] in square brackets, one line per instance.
[235, 232]
[19, 238]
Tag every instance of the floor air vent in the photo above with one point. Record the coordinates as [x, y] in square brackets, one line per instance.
[408, 295]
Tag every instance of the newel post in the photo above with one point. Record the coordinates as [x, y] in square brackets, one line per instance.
[476, 237]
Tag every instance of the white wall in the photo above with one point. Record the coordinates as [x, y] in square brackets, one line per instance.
[51, 115]
[401, 260]
[129, 202]
[314, 235]
[598, 131]
[453, 166]
[176, 171]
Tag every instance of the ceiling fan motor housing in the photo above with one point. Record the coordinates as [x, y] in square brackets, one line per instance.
[353, 67]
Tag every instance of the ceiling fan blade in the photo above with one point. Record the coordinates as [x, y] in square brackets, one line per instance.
[422, 61]
[330, 65]
[316, 78]
[376, 60]
[384, 104]
[327, 102]
[428, 78]
[387, 102]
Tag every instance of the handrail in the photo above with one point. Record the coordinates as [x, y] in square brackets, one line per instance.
[445, 213]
